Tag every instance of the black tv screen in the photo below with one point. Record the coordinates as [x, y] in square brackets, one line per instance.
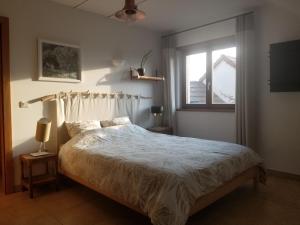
[285, 67]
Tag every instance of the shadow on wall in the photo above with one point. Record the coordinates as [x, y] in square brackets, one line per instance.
[290, 6]
[115, 76]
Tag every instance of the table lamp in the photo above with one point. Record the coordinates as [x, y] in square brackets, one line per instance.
[42, 135]
[157, 112]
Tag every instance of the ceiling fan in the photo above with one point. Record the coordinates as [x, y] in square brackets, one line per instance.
[130, 12]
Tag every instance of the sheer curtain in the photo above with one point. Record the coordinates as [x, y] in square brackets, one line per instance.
[170, 66]
[245, 81]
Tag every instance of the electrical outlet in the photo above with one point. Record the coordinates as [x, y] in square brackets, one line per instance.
[23, 105]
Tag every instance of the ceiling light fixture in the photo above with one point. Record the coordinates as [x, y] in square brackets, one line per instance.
[130, 12]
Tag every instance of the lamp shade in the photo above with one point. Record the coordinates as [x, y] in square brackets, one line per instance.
[157, 109]
[130, 12]
[43, 128]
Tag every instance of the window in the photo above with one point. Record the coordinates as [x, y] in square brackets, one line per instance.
[210, 75]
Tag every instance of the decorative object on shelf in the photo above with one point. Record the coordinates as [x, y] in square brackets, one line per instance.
[130, 12]
[157, 110]
[42, 135]
[145, 57]
[59, 62]
[134, 72]
[141, 71]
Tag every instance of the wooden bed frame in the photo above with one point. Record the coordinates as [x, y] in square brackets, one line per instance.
[61, 137]
[201, 203]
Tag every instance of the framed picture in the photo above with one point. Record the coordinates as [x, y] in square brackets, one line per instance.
[59, 62]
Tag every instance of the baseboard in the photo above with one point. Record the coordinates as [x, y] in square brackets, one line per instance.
[283, 174]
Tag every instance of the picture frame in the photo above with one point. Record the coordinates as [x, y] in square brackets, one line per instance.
[59, 62]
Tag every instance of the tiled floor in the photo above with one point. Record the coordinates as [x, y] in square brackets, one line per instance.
[278, 203]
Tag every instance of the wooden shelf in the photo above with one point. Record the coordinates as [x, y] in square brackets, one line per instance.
[147, 78]
[162, 130]
[36, 180]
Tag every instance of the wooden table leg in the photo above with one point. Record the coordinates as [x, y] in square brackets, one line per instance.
[22, 175]
[30, 180]
[55, 173]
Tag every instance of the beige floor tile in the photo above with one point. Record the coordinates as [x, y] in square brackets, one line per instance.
[45, 220]
[84, 214]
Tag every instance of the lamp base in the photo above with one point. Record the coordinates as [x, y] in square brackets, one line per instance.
[36, 154]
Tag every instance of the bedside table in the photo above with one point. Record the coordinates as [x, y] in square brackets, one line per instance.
[162, 130]
[30, 181]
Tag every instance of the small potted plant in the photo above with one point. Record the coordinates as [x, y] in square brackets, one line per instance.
[145, 57]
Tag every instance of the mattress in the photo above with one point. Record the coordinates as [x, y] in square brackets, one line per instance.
[161, 174]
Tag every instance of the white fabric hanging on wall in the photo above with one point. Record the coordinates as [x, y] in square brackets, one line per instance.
[99, 107]
[88, 107]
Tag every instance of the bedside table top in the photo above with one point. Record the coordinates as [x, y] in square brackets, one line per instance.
[159, 129]
[31, 158]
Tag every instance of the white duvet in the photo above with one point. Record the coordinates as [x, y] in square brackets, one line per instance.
[161, 174]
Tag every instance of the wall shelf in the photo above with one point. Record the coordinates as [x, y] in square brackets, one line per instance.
[147, 77]
[151, 78]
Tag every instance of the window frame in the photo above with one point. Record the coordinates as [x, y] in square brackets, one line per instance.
[208, 47]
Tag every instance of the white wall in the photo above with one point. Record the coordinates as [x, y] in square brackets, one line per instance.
[214, 31]
[207, 125]
[279, 113]
[101, 40]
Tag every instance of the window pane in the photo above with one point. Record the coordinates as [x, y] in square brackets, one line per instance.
[223, 76]
[196, 79]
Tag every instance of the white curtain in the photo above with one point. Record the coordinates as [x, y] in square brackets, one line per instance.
[245, 81]
[171, 92]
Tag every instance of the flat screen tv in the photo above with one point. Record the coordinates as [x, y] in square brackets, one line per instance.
[285, 67]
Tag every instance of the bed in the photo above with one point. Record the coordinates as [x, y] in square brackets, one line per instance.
[164, 177]
[167, 178]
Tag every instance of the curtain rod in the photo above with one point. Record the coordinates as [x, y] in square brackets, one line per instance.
[204, 25]
[64, 94]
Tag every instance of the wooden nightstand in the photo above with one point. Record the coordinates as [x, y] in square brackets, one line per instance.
[30, 181]
[162, 130]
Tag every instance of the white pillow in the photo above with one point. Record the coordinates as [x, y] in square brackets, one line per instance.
[106, 123]
[75, 128]
[121, 120]
[116, 121]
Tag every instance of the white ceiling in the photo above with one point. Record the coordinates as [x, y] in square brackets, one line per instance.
[171, 15]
